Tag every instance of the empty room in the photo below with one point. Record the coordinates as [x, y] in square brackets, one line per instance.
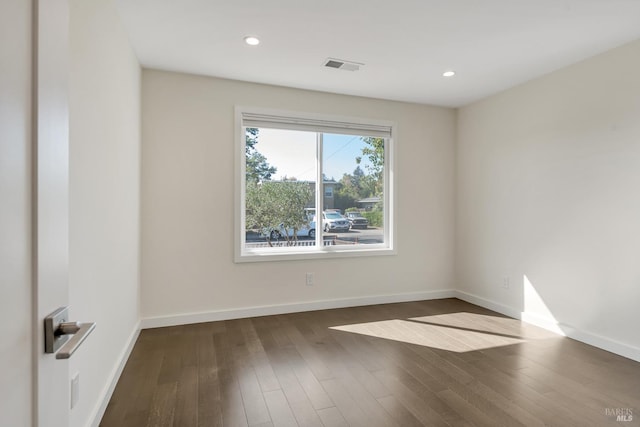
[338, 213]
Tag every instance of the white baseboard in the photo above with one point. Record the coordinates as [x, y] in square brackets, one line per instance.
[551, 324]
[613, 346]
[267, 310]
[98, 412]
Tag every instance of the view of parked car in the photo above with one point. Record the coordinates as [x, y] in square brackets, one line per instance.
[357, 220]
[306, 231]
[333, 221]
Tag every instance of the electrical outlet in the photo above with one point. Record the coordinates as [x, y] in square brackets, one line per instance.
[309, 279]
[506, 283]
[75, 389]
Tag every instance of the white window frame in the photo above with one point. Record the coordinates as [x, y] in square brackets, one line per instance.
[320, 123]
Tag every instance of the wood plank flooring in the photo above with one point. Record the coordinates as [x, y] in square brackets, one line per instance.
[429, 363]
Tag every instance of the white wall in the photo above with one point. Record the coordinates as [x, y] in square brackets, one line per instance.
[548, 179]
[188, 201]
[15, 214]
[104, 196]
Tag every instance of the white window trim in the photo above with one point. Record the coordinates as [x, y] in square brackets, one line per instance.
[242, 255]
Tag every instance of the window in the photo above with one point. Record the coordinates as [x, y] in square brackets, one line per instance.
[328, 190]
[312, 186]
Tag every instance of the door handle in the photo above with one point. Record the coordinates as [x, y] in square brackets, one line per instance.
[57, 331]
[80, 332]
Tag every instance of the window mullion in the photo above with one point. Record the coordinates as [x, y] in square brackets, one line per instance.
[319, 193]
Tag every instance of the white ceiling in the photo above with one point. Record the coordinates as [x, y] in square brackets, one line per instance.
[404, 44]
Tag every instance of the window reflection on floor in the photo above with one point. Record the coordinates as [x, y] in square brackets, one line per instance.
[457, 332]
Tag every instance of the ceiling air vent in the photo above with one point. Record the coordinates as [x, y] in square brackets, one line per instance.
[342, 64]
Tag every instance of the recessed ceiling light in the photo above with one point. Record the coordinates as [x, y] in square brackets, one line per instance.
[251, 40]
[449, 73]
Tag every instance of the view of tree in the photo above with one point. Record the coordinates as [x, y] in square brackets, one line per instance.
[271, 204]
[360, 184]
[375, 153]
[357, 173]
[349, 191]
[257, 167]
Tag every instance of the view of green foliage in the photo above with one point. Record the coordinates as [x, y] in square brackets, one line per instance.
[360, 185]
[257, 168]
[270, 204]
[375, 153]
[375, 217]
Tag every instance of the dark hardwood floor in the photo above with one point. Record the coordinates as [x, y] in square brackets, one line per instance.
[429, 363]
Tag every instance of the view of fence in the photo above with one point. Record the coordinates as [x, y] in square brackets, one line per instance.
[283, 243]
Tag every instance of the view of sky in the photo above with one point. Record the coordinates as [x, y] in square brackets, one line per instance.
[294, 153]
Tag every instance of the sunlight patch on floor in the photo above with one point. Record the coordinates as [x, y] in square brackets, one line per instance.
[458, 332]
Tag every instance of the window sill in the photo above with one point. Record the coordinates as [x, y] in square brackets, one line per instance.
[294, 254]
